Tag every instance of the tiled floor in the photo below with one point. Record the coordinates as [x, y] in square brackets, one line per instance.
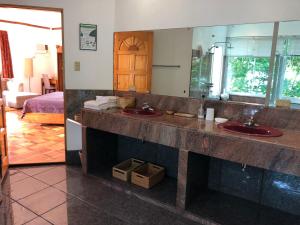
[33, 143]
[62, 195]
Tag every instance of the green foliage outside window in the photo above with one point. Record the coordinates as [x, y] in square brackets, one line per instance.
[291, 87]
[249, 74]
[195, 73]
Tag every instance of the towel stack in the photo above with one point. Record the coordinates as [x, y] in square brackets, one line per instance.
[102, 103]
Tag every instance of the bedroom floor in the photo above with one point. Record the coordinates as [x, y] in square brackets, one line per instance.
[30, 143]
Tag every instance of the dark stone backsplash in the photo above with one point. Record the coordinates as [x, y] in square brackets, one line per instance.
[275, 117]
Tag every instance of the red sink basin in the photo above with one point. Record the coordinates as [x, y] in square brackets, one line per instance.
[257, 130]
[141, 112]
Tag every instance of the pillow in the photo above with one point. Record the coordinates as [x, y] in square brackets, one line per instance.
[14, 86]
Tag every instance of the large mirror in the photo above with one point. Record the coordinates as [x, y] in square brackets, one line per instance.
[232, 61]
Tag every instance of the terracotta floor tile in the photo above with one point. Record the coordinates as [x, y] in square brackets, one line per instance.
[33, 143]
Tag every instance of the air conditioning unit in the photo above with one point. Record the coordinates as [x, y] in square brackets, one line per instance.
[41, 49]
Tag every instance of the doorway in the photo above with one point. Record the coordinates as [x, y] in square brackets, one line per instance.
[34, 136]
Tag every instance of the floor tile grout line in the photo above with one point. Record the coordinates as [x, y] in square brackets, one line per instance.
[31, 175]
[41, 215]
[36, 218]
[28, 210]
[17, 200]
[48, 185]
[21, 179]
[39, 190]
[53, 208]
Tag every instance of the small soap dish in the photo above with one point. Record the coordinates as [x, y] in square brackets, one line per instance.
[170, 112]
[220, 120]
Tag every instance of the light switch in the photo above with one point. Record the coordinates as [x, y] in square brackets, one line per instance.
[76, 66]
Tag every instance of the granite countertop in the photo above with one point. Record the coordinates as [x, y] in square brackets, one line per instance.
[276, 153]
[290, 138]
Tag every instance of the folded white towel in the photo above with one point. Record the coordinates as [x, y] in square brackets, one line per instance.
[91, 107]
[105, 99]
[93, 104]
[107, 106]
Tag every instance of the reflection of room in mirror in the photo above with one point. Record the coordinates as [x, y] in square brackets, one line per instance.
[232, 59]
[172, 50]
[243, 67]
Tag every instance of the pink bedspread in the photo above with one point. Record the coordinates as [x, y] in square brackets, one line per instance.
[48, 103]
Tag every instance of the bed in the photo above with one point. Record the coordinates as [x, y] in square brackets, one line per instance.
[45, 109]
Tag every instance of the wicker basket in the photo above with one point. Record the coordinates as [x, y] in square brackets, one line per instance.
[126, 102]
[123, 170]
[147, 175]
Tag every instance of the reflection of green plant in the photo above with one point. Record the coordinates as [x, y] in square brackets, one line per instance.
[294, 64]
[291, 87]
[201, 70]
[249, 74]
[195, 72]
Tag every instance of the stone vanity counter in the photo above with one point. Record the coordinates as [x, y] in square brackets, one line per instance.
[281, 154]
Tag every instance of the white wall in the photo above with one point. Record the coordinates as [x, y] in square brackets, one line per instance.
[172, 47]
[96, 66]
[158, 14]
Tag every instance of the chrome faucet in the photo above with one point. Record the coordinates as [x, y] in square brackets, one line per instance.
[147, 107]
[250, 122]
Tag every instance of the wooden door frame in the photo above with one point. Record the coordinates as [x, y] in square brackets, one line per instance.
[53, 9]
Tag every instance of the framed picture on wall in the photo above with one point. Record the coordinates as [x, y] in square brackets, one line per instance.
[88, 37]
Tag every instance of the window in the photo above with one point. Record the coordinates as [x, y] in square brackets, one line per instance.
[286, 83]
[247, 75]
[237, 59]
[247, 61]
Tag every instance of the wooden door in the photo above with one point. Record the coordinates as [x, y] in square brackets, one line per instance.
[133, 61]
[4, 153]
[3, 141]
[60, 69]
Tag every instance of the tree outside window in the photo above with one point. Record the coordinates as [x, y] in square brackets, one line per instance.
[291, 82]
[248, 75]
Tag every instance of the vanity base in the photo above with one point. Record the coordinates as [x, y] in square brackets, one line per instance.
[195, 185]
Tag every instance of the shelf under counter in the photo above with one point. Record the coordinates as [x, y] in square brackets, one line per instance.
[104, 150]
